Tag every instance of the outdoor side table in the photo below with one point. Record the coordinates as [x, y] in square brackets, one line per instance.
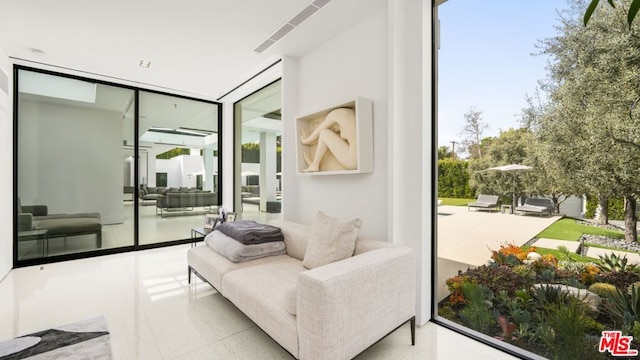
[504, 208]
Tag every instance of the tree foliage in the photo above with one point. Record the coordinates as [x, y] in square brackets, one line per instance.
[444, 153]
[591, 128]
[173, 153]
[631, 13]
[472, 132]
[510, 147]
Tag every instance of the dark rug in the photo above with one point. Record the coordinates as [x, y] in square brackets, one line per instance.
[87, 339]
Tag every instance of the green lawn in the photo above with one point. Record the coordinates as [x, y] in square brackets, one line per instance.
[561, 256]
[456, 202]
[567, 229]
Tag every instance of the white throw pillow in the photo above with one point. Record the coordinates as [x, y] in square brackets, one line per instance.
[330, 240]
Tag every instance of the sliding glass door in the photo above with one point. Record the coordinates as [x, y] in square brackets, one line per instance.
[178, 172]
[70, 183]
[103, 168]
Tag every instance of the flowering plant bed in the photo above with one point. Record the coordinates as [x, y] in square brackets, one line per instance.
[548, 304]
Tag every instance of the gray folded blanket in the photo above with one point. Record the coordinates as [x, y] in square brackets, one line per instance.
[249, 232]
[237, 252]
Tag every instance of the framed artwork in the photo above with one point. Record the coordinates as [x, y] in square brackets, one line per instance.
[337, 140]
[210, 221]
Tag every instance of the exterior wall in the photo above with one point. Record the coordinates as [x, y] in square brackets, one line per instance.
[574, 206]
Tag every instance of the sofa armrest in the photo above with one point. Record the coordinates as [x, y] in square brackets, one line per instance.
[36, 210]
[346, 306]
[25, 222]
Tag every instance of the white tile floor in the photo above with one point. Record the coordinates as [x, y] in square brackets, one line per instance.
[154, 314]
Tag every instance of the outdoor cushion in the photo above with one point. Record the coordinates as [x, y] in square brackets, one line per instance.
[485, 201]
[330, 240]
[538, 206]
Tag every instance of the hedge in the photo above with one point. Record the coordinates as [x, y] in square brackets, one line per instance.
[616, 208]
[453, 179]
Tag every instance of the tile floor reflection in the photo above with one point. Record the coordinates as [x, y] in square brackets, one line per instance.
[154, 314]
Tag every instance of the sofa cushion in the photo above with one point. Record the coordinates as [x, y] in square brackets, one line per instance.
[330, 240]
[296, 237]
[152, 190]
[213, 266]
[259, 292]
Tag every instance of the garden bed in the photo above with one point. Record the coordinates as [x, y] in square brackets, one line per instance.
[549, 305]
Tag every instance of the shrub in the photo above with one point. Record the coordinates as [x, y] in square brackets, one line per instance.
[476, 314]
[454, 285]
[621, 279]
[511, 254]
[624, 308]
[564, 327]
[616, 208]
[602, 289]
[498, 278]
[588, 274]
[615, 263]
[453, 179]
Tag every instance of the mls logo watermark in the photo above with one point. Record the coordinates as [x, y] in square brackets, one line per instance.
[616, 344]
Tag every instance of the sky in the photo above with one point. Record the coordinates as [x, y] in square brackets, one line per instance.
[485, 60]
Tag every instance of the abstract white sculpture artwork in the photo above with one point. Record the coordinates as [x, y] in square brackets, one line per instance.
[337, 140]
[336, 134]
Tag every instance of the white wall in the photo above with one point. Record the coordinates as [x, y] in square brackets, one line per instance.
[189, 165]
[179, 168]
[386, 58]
[6, 177]
[172, 168]
[71, 159]
[351, 65]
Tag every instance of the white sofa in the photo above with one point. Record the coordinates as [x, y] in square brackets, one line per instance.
[331, 312]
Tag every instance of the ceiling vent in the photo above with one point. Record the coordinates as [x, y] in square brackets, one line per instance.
[296, 20]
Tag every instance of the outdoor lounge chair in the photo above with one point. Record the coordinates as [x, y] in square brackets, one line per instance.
[487, 202]
[535, 206]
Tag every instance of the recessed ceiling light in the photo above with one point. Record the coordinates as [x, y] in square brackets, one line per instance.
[145, 63]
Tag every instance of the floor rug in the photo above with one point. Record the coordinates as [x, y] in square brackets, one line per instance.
[87, 339]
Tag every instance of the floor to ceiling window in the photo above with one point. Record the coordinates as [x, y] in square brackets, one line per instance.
[258, 149]
[178, 140]
[537, 177]
[81, 171]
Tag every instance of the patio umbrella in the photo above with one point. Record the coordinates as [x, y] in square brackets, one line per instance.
[514, 168]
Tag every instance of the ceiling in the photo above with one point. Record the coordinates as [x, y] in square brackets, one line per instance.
[202, 48]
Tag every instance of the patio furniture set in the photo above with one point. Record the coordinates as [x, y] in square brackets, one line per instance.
[538, 206]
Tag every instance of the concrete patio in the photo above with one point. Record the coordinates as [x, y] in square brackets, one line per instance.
[466, 238]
